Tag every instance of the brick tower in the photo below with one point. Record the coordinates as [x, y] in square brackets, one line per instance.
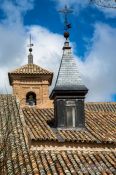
[30, 84]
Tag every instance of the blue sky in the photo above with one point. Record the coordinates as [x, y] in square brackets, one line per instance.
[92, 37]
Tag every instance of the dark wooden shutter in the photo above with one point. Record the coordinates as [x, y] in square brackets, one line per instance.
[80, 118]
[60, 113]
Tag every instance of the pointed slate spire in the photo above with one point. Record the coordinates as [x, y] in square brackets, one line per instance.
[68, 75]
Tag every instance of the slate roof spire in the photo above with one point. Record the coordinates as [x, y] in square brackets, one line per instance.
[68, 75]
[30, 56]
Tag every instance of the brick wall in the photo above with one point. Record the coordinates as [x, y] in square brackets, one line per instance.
[39, 86]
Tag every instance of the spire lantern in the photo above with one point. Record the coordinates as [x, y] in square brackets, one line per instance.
[30, 56]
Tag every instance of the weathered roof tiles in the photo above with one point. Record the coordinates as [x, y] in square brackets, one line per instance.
[20, 160]
[30, 69]
[15, 155]
[74, 162]
[100, 127]
[101, 106]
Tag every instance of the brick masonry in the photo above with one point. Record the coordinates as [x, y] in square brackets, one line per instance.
[39, 87]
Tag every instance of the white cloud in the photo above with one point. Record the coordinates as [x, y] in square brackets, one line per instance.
[13, 10]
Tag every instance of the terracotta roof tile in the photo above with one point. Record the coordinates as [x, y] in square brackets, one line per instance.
[36, 120]
[31, 69]
[16, 151]
[101, 106]
[75, 162]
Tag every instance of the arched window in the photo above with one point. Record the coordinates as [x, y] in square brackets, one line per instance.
[31, 98]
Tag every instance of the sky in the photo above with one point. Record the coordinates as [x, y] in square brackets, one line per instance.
[92, 38]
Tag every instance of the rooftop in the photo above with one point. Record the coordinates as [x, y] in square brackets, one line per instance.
[22, 160]
[100, 125]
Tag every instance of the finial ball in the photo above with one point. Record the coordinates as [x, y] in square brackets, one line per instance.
[30, 49]
[66, 35]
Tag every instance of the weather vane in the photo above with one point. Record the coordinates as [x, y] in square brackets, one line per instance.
[66, 11]
[30, 45]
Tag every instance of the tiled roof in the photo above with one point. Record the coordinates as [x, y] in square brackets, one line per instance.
[101, 106]
[100, 127]
[31, 69]
[17, 159]
[20, 160]
[36, 121]
[73, 162]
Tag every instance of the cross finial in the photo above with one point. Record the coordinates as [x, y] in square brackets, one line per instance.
[30, 45]
[66, 11]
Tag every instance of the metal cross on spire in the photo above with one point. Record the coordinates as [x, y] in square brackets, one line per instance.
[30, 45]
[66, 11]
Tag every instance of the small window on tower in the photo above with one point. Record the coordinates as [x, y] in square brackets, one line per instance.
[31, 98]
[70, 114]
